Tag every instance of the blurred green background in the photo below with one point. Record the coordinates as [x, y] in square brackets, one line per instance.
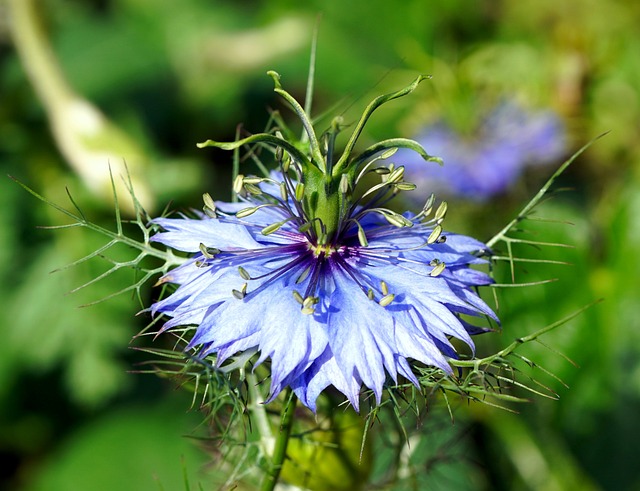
[85, 83]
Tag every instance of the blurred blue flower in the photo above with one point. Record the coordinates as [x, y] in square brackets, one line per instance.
[486, 163]
[347, 311]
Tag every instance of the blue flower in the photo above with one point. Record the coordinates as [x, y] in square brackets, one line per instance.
[329, 289]
[343, 313]
[492, 159]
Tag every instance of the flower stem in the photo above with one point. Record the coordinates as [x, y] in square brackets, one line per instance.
[282, 440]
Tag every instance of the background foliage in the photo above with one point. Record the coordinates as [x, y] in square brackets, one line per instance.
[169, 74]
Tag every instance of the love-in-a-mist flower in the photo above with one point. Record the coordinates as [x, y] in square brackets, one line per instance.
[331, 288]
[487, 161]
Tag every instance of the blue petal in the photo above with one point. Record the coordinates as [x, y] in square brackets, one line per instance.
[414, 344]
[323, 373]
[186, 234]
[360, 335]
[291, 339]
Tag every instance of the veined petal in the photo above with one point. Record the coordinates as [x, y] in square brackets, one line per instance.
[185, 234]
[323, 373]
[412, 343]
[360, 335]
[292, 340]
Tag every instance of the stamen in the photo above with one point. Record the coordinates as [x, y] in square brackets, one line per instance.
[324, 144]
[240, 294]
[208, 252]
[395, 219]
[303, 276]
[310, 302]
[243, 273]
[323, 237]
[384, 288]
[252, 189]
[269, 229]
[308, 305]
[396, 175]
[405, 186]
[245, 212]
[441, 211]
[362, 237]
[286, 162]
[378, 170]
[209, 208]
[386, 300]
[208, 201]
[237, 184]
[428, 206]
[435, 234]
[344, 184]
[290, 190]
[437, 270]
[384, 185]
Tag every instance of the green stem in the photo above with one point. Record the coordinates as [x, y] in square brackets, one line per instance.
[259, 411]
[524, 213]
[282, 440]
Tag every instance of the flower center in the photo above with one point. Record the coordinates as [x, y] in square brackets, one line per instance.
[324, 250]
